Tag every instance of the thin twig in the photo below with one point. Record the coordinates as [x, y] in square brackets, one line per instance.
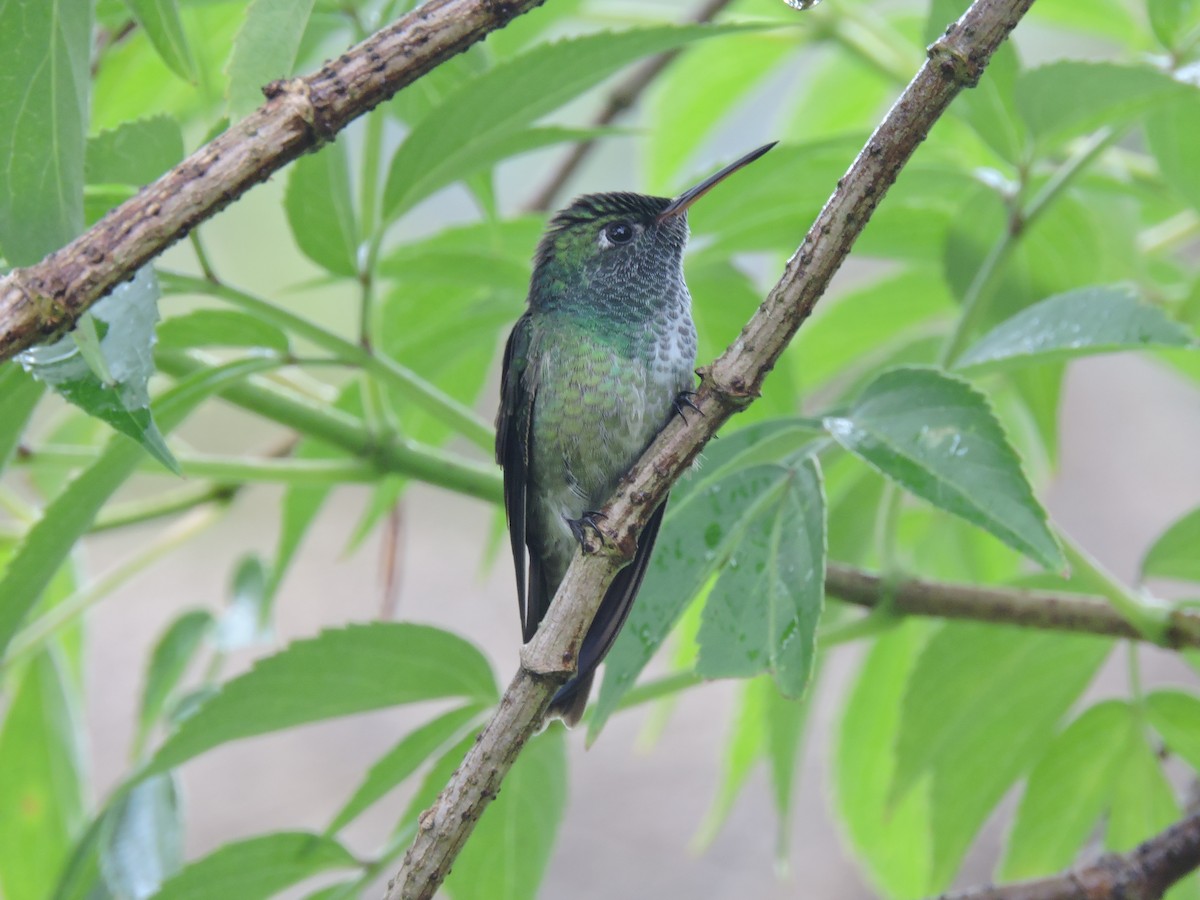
[45, 299]
[1144, 873]
[1052, 610]
[624, 95]
[956, 60]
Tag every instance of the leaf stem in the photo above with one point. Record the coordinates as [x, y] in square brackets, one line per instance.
[392, 454]
[410, 385]
[1151, 618]
[220, 468]
[979, 293]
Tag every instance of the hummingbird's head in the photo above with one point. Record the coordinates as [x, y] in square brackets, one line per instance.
[609, 243]
[619, 248]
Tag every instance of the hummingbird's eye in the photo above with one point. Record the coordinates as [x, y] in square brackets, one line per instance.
[618, 232]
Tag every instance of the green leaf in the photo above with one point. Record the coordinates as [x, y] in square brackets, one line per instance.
[1173, 134]
[447, 333]
[991, 109]
[1173, 554]
[142, 839]
[19, 396]
[41, 788]
[136, 153]
[220, 328]
[1143, 801]
[339, 672]
[769, 441]
[170, 658]
[855, 329]
[695, 94]
[786, 721]
[525, 815]
[436, 778]
[1068, 790]
[698, 536]
[980, 708]
[1175, 715]
[485, 254]
[1085, 321]
[264, 50]
[163, 26]
[257, 868]
[118, 393]
[247, 619]
[70, 514]
[403, 760]
[862, 95]
[1176, 23]
[320, 210]
[485, 116]
[1068, 98]
[46, 48]
[743, 750]
[762, 613]
[892, 838]
[1082, 238]
[936, 436]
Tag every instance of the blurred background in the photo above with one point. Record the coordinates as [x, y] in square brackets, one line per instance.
[1127, 468]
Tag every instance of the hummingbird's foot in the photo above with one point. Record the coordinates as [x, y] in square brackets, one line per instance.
[682, 400]
[591, 519]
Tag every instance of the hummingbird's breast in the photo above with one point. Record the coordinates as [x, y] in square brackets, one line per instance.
[602, 394]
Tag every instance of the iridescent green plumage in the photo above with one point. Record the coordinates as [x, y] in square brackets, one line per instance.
[592, 371]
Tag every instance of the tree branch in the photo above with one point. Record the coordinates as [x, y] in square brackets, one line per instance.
[622, 97]
[1054, 610]
[956, 60]
[1144, 873]
[39, 302]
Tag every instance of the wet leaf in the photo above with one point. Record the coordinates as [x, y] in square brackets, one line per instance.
[122, 330]
[762, 613]
[1078, 323]
[936, 436]
[698, 535]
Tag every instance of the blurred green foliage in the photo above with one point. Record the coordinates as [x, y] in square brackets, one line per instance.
[1052, 214]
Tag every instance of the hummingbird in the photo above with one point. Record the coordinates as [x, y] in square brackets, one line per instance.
[601, 359]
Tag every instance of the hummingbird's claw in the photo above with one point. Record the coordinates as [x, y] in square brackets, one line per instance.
[591, 518]
[684, 399]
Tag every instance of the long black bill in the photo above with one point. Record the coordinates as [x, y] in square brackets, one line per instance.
[691, 195]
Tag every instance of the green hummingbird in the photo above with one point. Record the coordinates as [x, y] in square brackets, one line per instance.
[600, 360]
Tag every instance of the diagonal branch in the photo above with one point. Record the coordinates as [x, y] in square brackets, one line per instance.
[1053, 610]
[623, 96]
[1144, 873]
[956, 60]
[43, 300]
